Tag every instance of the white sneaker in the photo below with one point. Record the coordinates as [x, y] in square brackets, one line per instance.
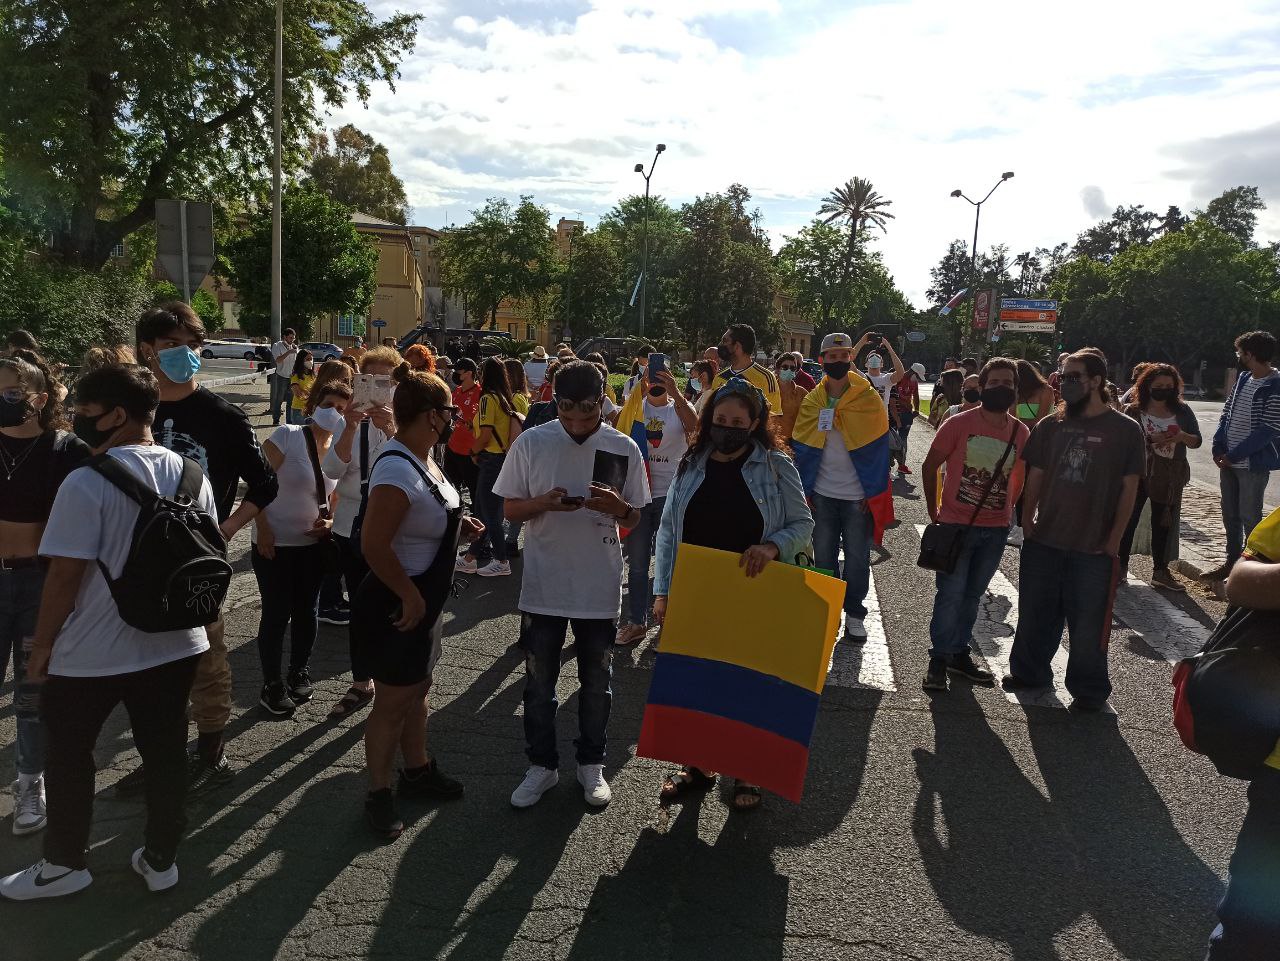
[1015, 537]
[537, 781]
[156, 880]
[465, 565]
[44, 880]
[595, 789]
[854, 629]
[28, 806]
[495, 569]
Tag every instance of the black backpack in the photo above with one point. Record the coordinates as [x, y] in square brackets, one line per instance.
[176, 576]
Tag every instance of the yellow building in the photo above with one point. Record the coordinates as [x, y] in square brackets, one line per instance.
[400, 295]
[797, 333]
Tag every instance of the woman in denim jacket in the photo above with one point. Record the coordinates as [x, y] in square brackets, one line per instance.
[735, 491]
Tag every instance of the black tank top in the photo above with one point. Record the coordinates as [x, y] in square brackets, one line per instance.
[39, 465]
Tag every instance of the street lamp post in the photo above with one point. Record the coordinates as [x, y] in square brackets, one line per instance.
[644, 266]
[568, 285]
[277, 309]
[977, 214]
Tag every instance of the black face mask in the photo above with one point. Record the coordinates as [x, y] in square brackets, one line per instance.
[657, 391]
[972, 395]
[726, 440]
[837, 370]
[999, 398]
[1163, 394]
[446, 432]
[725, 353]
[85, 426]
[14, 415]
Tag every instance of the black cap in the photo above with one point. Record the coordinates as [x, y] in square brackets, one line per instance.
[466, 363]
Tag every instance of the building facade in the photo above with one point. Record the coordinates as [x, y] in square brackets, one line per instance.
[797, 333]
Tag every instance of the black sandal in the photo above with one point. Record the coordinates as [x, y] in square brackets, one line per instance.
[352, 701]
[685, 781]
[740, 791]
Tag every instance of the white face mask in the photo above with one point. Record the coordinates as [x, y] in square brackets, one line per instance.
[330, 419]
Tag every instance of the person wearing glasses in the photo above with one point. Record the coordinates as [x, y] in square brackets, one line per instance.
[573, 482]
[788, 369]
[736, 491]
[412, 525]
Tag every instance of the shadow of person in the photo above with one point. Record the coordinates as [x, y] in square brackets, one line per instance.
[676, 895]
[989, 841]
[1145, 887]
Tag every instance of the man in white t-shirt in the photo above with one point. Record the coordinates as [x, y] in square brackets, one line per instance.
[665, 423]
[90, 660]
[535, 368]
[573, 482]
[640, 366]
[284, 352]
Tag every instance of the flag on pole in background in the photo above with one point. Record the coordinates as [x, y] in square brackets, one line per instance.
[952, 302]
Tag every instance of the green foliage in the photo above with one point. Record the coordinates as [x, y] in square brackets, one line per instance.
[594, 292]
[811, 269]
[502, 253]
[624, 226]
[328, 266]
[506, 346]
[106, 107]
[203, 303]
[356, 172]
[1235, 212]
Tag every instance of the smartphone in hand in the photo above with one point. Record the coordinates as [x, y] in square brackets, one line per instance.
[657, 365]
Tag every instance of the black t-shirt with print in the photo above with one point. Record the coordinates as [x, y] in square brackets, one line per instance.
[1085, 461]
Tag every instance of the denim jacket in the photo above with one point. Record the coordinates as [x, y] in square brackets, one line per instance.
[774, 483]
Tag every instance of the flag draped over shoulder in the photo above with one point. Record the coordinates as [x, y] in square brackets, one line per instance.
[631, 421]
[862, 422]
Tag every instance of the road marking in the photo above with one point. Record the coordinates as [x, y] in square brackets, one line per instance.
[868, 665]
[1167, 629]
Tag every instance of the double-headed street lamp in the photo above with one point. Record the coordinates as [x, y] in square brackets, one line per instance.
[973, 257]
[644, 265]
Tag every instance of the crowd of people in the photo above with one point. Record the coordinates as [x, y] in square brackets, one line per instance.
[357, 507]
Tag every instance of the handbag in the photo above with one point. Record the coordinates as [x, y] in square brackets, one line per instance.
[1226, 702]
[940, 545]
[357, 525]
[330, 557]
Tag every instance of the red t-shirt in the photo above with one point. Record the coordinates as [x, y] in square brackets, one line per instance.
[468, 402]
[972, 447]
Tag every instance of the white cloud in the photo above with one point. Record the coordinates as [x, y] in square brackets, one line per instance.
[920, 96]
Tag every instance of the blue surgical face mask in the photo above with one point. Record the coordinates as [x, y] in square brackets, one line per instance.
[695, 385]
[179, 364]
[786, 375]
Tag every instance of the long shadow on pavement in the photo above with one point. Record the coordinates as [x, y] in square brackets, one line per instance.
[1010, 864]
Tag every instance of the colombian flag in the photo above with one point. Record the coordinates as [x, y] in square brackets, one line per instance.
[742, 701]
[862, 421]
[631, 421]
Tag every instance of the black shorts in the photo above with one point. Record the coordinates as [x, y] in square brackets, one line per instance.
[399, 658]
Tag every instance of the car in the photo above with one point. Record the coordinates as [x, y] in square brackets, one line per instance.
[238, 348]
[322, 352]
[430, 334]
[812, 368]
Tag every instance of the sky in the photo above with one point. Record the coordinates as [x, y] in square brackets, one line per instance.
[1093, 104]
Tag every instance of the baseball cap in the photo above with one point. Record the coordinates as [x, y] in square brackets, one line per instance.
[919, 369]
[837, 342]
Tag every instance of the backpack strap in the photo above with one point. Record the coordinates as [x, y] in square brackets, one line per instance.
[192, 482]
[432, 486]
[126, 481]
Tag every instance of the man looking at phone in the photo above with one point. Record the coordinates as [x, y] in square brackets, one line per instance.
[572, 568]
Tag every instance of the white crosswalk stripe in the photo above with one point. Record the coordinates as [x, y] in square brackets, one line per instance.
[864, 665]
[1167, 629]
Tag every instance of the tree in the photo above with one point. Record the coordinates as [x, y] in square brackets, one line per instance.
[811, 268]
[107, 107]
[594, 286]
[503, 253]
[1111, 237]
[857, 204]
[328, 266]
[356, 172]
[1235, 212]
[625, 224]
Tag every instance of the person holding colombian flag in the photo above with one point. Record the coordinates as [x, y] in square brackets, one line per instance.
[841, 447]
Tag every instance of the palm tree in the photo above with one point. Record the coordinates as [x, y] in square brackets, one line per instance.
[857, 204]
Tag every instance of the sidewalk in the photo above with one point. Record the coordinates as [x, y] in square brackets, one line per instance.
[1202, 539]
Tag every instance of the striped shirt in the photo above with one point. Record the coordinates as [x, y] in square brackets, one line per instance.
[1241, 424]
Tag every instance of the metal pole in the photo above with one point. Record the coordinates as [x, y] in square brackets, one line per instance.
[277, 310]
[644, 267]
[568, 286]
[186, 267]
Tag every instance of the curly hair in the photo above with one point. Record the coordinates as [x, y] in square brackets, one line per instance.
[1148, 376]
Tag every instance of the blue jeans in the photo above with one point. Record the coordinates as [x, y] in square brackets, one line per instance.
[639, 552]
[836, 521]
[1249, 913]
[1057, 587]
[1242, 493]
[281, 396]
[294, 415]
[19, 605]
[542, 638]
[955, 608]
[492, 544]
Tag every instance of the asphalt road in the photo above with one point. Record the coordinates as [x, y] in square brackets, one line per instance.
[960, 826]
[1203, 469]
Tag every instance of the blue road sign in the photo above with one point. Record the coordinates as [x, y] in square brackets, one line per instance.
[1018, 303]
[379, 323]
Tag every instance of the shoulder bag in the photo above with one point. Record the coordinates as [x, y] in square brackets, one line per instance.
[330, 561]
[940, 545]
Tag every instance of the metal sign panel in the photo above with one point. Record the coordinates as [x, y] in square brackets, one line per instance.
[982, 301]
[1021, 303]
[915, 336]
[193, 247]
[1012, 328]
[1029, 316]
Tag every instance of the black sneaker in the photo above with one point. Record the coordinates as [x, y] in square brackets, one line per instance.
[1011, 682]
[1088, 705]
[341, 616]
[935, 678]
[203, 777]
[380, 812]
[964, 665]
[276, 700]
[300, 688]
[428, 782]
[132, 784]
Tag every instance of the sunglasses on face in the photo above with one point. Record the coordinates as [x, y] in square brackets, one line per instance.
[786, 368]
[566, 406]
[14, 395]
